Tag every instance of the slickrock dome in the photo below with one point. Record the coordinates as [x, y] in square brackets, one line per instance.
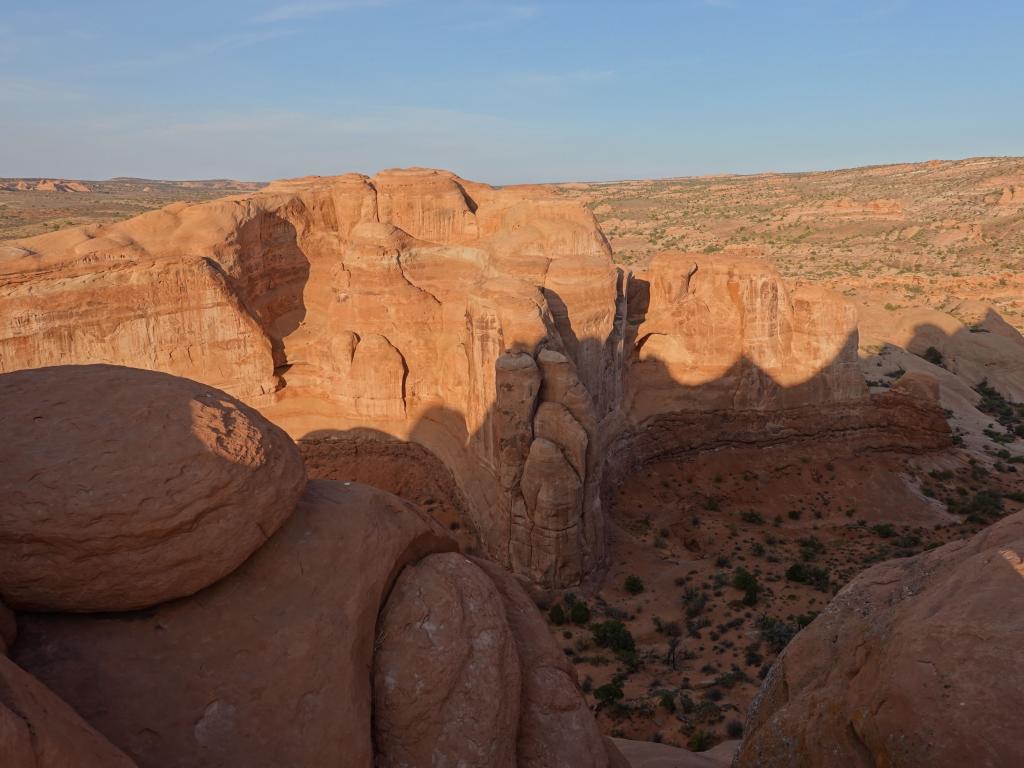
[914, 664]
[122, 488]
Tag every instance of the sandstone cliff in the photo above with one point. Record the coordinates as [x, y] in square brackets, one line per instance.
[487, 325]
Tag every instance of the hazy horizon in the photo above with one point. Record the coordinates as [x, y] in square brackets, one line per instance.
[504, 92]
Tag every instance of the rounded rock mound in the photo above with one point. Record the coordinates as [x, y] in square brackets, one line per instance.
[914, 664]
[123, 488]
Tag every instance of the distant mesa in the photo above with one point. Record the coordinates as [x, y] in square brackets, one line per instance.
[42, 185]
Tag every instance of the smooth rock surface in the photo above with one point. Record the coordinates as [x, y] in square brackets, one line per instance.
[914, 664]
[124, 488]
[269, 667]
[446, 670]
[38, 730]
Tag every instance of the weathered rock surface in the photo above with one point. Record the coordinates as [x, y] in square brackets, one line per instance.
[446, 671]
[337, 303]
[914, 663]
[556, 728]
[288, 638]
[488, 326]
[8, 628]
[100, 514]
[38, 730]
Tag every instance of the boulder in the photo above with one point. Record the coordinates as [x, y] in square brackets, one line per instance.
[914, 663]
[38, 730]
[556, 728]
[271, 666]
[446, 671]
[124, 488]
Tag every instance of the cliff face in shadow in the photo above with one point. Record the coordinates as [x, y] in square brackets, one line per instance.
[487, 326]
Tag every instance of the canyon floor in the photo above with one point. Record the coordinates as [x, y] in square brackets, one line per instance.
[728, 554]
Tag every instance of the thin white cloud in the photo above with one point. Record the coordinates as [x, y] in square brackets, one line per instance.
[306, 10]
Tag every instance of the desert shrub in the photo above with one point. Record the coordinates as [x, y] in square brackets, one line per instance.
[634, 585]
[695, 602]
[752, 517]
[700, 741]
[608, 693]
[812, 575]
[667, 700]
[810, 548]
[885, 530]
[579, 613]
[747, 582]
[776, 632]
[612, 635]
[734, 729]
[557, 615]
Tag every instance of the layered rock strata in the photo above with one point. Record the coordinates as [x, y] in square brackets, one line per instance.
[487, 325]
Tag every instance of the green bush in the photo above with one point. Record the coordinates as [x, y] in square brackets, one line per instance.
[812, 575]
[613, 635]
[746, 582]
[634, 585]
[579, 614]
[701, 741]
[557, 615]
[608, 693]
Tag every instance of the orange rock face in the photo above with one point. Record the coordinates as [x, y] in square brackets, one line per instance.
[914, 663]
[489, 326]
[287, 638]
[336, 303]
[103, 514]
[446, 671]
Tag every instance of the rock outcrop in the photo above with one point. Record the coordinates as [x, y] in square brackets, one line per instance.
[405, 303]
[914, 663]
[719, 353]
[487, 325]
[446, 672]
[38, 730]
[8, 628]
[287, 638]
[273, 663]
[100, 515]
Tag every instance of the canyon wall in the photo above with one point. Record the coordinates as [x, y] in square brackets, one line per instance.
[487, 325]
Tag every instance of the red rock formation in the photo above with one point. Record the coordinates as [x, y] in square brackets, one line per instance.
[38, 730]
[99, 515]
[397, 303]
[8, 628]
[446, 671]
[914, 663]
[488, 326]
[287, 638]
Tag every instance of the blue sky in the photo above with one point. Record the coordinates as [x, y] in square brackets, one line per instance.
[503, 91]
